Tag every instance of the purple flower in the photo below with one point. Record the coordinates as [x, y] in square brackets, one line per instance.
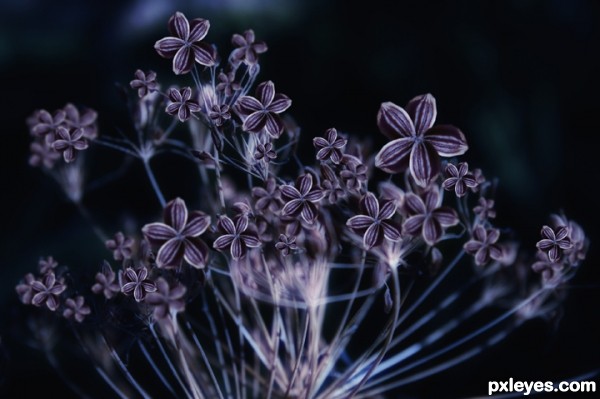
[354, 174]
[68, 142]
[302, 199]
[86, 121]
[144, 83]
[417, 144]
[227, 84]
[331, 185]
[268, 197]
[236, 237]
[483, 245]
[460, 178]
[181, 103]
[485, 209]
[76, 308]
[47, 124]
[286, 244]
[136, 283]
[185, 45]
[262, 111]
[375, 224]
[47, 265]
[121, 246]
[106, 282]
[265, 151]
[47, 291]
[553, 242]
[330, 147]
[178, 237]
[25, 289]
[219, 114]
[166, 299]
[247, 49]
[427, 216]
[42, 153]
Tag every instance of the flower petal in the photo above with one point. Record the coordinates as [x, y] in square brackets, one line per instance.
[446, 216]
[265, 92]
[394, 122]
[359, 222]
[413, 225]
[304, 183]
[273, 125]
[183, 61]
[280, 103]
[388, 209]
[238, 249]
[195, 252]
[290, 192]
[373, 236]
[250, 240]
[179, 25]
[391, 230]
[394, 156]
[247, 105]
[223, 242]
[422, 109]
[424, 164]
[255, 122]
[370, 205]
[197, 224]
[158, 232]
[198, 29]
[167, 47]
[204, 54]
[414, 204]
[432, 230]
[227, 225]
[447, 140]
[170, 253]
[309, 212]
[176, 214]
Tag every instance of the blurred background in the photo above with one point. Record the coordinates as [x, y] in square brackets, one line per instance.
[519, 77]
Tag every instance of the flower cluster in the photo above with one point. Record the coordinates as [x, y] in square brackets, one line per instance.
[227, 293]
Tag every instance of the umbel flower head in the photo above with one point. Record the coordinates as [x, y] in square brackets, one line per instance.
[314, 286]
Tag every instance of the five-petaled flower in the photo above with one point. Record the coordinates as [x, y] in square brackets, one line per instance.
[248, 49]
[76, 309]
[121, 246]
[69, 141]
[265, 151]
[330, 147]
[178, 236]
[227, 84]
[136, 282]
[144, 83]
[181, 103]
[268, 197]
[460, 178]
[167, 299]
[47, 291]
[427, 217]
[376, 224]
[85, 121]
[106, 282]
[485, 209]
[185, 46]
[262, 111]
[483, 245]
[417, 144]
[302, 199]
[553, 242]
[286, 244]
[219, 114]
[236, 237]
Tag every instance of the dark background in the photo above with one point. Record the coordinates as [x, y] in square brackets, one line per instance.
[519, 77]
